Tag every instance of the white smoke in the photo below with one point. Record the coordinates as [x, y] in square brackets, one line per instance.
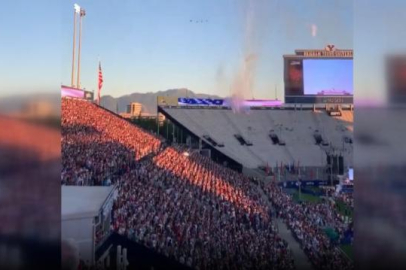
[314, 30]
[242, 86]
[220, 79]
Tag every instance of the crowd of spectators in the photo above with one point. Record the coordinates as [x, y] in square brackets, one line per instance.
[180, 204]
[183, 205]
[307, 221]
[346, 198]
[199, 213]
[98, 146]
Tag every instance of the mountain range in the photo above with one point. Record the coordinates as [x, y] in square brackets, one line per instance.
[15, 103]
[148, 100]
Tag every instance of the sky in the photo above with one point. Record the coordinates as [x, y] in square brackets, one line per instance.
[147, 46]
[327, 74]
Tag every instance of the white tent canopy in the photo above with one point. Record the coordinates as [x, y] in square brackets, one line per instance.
[83, 201]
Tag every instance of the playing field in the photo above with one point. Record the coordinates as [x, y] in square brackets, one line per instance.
[305, 197]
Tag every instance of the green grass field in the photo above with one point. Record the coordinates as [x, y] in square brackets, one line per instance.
[314, 189]
[306, 197]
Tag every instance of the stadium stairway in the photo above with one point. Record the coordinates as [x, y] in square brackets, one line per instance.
[300, 259]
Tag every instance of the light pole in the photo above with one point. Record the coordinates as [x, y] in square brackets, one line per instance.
[76, 10]
[82, 14]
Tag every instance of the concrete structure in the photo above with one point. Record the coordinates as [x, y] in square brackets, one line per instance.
[85, 212]
[295, 127]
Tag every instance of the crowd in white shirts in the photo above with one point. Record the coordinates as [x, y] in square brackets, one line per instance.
[183, 206]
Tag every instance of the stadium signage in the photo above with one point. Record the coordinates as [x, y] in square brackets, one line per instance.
[325, 53]
[200, 102]
[335, 113]
[332, 100]
[316, 183]
[319, 100]
[67, 91]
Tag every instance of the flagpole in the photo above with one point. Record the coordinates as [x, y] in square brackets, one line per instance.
[98, 70]
[100, 83]
[81, 15]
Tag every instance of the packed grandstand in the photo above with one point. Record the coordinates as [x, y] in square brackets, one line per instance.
[183, 205]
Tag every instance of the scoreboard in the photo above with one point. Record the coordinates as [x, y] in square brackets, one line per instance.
[319, 76]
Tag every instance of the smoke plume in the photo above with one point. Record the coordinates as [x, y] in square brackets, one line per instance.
[314, 30]
[242, 86]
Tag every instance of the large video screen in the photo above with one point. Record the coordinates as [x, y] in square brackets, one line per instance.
[294, 77]
[351, 174]
[328, 77]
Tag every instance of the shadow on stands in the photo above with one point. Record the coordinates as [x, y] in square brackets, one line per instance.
[138, 256]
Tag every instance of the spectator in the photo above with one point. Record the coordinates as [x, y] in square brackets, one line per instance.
[186, 206]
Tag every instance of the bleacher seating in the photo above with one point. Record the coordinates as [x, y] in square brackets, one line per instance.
[296, 127]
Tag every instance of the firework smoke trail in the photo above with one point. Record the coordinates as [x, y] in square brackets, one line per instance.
[314, 30]
[220, 79]
[242, 84]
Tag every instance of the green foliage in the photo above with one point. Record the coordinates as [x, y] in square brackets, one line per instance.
[165, 129]
[145, 123]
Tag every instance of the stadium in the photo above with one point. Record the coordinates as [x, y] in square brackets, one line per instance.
[224, 184]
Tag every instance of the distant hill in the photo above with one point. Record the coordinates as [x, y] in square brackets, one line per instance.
[148, 100]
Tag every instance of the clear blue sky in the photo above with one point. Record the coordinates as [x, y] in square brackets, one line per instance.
[328, 74]
[151, 45]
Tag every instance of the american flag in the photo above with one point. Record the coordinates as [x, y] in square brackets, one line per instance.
[100, 82]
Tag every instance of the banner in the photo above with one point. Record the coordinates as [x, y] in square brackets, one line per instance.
[67, 91]
[304, 183]
[227, 102]
[200, 102]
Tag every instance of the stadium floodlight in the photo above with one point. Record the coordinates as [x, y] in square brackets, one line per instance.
[77, 8]
[82, 13]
